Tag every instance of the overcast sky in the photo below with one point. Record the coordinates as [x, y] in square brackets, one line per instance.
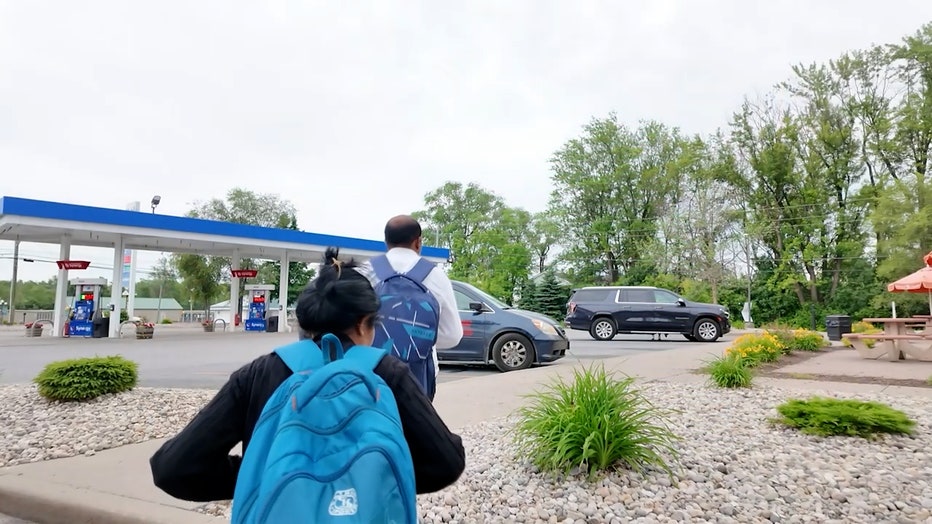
[355, 110]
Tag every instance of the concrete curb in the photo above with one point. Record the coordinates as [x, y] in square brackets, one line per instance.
[52, 503]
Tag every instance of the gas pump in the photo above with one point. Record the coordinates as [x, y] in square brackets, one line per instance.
[258, 306]
[86, 306]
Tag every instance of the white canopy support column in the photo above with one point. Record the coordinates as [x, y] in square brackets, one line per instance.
[235, 308]
[61, 289]
[130, 281]
[116, 288]
[283, 295]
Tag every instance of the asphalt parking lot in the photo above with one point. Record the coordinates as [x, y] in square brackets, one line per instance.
[584, 349]
[193, 359]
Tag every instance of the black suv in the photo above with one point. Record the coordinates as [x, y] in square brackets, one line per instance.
[606, 311]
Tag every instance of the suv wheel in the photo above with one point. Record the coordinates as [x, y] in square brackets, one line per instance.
[707, 330]
[602, 329]
[512, 352]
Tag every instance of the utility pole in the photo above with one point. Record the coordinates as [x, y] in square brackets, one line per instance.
[13, 282]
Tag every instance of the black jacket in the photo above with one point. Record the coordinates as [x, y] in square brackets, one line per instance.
[196, 464]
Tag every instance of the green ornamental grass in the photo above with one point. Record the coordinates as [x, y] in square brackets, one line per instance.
[827, 417]
[730, 371]
[595, 423]
[86, 378]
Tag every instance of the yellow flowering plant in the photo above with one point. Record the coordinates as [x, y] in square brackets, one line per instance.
[755, 348]
[862, 327]
[807, 340]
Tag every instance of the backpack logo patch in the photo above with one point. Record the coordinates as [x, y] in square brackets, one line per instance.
[343, 503]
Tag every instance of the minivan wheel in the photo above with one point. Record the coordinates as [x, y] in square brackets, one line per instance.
[602, 329]
[707, 330]
[512, 352]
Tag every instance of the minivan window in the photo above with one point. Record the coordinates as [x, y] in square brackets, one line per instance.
[462, 300]
[485, 297]
[594, 295]
[639, 295]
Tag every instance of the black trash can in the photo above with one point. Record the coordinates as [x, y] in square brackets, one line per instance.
[837, 325]
[271, 324]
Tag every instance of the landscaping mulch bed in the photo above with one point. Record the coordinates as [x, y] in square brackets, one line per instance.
[772, 370]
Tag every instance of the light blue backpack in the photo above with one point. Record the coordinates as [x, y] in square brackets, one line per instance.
[328, 446]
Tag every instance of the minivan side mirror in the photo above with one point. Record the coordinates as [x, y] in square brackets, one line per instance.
[477, 306]
[680, 302]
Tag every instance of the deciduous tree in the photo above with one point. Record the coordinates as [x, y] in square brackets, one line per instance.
[611, 185]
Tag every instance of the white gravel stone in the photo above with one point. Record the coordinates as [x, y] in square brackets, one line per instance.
[734, 466]
[34, 429]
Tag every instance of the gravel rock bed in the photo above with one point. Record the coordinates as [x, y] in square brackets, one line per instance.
[734, 467]
[34, 429]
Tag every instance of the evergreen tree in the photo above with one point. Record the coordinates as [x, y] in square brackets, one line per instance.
[552, 297]
[528, 299]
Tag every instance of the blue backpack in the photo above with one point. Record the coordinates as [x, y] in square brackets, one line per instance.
[410, 317]
[329, 445]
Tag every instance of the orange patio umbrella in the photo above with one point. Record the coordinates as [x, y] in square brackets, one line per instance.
[918, 282]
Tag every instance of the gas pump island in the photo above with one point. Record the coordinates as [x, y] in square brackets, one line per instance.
[86, 307]
[257, 319]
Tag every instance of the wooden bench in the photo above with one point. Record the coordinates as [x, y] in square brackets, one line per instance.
[894, 347]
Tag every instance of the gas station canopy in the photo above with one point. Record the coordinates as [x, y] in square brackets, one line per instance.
[47, 222]
[69, 225]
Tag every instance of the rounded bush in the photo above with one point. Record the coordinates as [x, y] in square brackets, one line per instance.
[86, 378]
[593, 424]
[843, 417]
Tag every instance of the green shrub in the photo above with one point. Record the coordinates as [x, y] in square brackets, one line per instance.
[595, 423]
[86, 378]
[166, 321]
[830, 417]
[730, 371]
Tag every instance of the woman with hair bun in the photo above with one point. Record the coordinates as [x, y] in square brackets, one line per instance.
[196, 464]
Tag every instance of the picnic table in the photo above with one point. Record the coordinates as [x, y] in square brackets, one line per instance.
[897, 340]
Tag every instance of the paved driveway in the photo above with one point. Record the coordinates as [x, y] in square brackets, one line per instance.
[190, 358]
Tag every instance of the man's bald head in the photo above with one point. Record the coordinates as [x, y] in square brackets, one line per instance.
[403, 231]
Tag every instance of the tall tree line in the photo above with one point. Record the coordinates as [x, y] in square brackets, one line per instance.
[811, 198]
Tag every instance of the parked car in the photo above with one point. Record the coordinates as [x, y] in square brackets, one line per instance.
[605, 311]
[496, 333]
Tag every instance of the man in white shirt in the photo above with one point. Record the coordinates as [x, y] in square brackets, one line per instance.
[403, 240]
